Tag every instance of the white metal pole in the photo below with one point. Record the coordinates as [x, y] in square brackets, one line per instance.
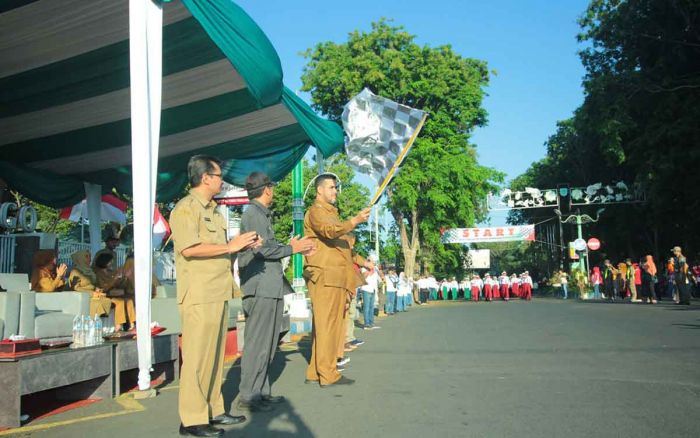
[145, 56]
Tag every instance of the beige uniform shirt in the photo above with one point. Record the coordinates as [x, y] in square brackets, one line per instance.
[200, 280]
[333, 261]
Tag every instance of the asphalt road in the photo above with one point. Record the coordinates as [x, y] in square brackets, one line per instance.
[546, 368]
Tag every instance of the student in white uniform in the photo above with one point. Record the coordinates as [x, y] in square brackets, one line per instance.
[423, 289]
[504, 281]
[465, 287]
[401, 293]
[488, 283]
[433, 286]
[476, 286]
[527, 286]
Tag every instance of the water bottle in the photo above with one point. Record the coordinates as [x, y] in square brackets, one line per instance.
[84, 339]
[77, 329]
[98, 330]
[91, 332]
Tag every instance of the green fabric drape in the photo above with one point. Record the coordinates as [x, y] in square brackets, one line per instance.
[217, 30]
[244, 44]
[44, 187]
[327, 136]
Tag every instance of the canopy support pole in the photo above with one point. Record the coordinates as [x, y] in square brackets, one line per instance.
[298, 221]
[146, 58]
[93, 196]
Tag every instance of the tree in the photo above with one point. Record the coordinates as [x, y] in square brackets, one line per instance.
[638, 123]
[441, 183]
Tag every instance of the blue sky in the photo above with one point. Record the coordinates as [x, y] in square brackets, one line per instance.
[530, 44]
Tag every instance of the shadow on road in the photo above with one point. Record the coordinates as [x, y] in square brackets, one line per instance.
[687, 326]
[233, 377]
[305, 348]
[287, 423]
[678, 308]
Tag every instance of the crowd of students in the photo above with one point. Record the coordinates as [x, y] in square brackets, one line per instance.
[392, 293]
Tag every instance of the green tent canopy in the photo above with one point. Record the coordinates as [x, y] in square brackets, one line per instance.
[65, 98]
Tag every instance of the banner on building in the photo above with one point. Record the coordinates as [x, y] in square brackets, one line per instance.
[489, 234]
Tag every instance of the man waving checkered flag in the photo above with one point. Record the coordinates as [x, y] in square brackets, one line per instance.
[380, 133]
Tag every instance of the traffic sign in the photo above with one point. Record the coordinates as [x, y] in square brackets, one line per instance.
[580, 245]
[593, 244]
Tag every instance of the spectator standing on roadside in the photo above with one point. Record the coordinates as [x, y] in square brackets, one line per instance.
[564, 281]
[596, 281]
[681, 276]
[648, 278]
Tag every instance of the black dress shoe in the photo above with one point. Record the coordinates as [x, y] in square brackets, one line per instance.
[253, 406]
[274, 399]
[342, 381]
[227, 420]
[200, 430]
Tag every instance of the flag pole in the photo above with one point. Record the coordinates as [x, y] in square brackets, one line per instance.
[398, 161]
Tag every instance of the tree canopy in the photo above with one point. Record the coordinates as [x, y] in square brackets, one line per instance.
[638, 123]
[441, 184]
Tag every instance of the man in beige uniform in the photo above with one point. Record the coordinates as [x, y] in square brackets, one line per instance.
[330, 277]
[204, 286]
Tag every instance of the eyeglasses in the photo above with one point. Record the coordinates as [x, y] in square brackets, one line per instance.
[214, 174]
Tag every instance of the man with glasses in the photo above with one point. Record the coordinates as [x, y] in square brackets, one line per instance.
[264, 286]
[204, 286]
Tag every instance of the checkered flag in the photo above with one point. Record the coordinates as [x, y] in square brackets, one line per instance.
[380, 132]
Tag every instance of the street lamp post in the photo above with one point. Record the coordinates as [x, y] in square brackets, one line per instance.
[580, 219]
[562, 249]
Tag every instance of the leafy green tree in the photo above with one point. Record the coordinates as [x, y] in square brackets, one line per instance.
[441, 183]
[638, 123]
[390, 250]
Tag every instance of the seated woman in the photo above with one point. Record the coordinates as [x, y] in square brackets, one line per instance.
[83, 279]
[46, 277]
[114, 285]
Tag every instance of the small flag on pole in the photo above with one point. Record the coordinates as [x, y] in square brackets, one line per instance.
[161, 228]
[380, 134]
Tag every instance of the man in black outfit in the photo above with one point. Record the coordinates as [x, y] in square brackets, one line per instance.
[680, 274]
[609, 272]
[264, 286]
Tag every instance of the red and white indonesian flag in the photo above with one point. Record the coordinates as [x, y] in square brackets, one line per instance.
[512, 233]
[161, 228]
[112, 209]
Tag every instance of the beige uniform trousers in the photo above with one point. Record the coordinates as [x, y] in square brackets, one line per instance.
[350, 321]
[344, 327]
[203, 344]
[328, 305]
[100, 306]
[123, 309]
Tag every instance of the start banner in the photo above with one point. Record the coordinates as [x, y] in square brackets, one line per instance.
[489, 234]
